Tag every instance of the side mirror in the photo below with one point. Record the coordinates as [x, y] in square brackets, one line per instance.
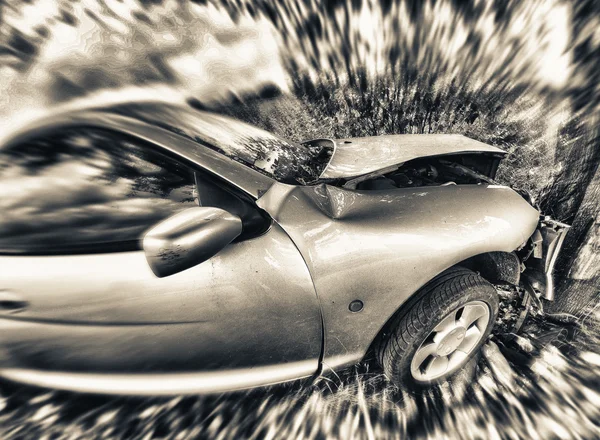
[188, 238]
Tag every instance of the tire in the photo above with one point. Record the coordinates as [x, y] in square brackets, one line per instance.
[412, 351]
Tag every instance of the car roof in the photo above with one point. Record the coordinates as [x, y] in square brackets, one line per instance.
[114, 118]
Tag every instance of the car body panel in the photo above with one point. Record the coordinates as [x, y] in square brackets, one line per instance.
[264, 310]
[353, 157]
[251, 305]
[152, 384]
[380, 247]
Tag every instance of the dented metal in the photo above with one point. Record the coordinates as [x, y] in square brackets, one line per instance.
[349, 236]
[355, 157]
[382, 246]
[546, 243]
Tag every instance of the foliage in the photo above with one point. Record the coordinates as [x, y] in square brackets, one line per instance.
[397, 105]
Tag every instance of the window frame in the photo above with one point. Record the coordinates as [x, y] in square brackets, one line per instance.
[134, 245]
[242, 197]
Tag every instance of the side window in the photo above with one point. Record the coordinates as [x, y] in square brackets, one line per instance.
[214, 193]
[86, 190]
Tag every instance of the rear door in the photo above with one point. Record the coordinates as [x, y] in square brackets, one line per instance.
[76, 293]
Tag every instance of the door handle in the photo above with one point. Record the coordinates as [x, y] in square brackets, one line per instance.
[12, 302]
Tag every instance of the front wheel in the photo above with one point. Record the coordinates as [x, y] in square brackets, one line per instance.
[445, 327]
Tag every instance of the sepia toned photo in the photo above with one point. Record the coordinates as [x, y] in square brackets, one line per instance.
[299, 219]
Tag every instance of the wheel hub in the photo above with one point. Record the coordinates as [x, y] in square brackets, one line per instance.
[449, 345]
[450, 342]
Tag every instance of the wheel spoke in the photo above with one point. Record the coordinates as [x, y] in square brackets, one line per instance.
[456, 358]
[447, 324]
[422, 354]
[470, 341]
[451, 343]
[438, 366]
[471, 313]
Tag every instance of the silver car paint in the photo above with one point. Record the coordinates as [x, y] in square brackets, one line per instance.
[380, 247]
[252, 305]
[189, 238]
[153, 384]
[354, 157]
[97, 322]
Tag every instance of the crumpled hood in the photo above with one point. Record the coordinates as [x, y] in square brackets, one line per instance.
[355, 157]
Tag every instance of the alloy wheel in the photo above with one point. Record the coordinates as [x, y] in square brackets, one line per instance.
[449, 345]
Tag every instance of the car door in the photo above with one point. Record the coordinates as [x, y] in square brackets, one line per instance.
[76, 292]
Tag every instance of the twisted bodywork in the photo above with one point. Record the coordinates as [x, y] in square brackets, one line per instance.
[380, 247]
[355, 157]
[367, 222]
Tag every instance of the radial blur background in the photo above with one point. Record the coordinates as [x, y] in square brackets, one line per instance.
[524, 76]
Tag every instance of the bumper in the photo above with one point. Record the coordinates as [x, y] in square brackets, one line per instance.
[540, 257]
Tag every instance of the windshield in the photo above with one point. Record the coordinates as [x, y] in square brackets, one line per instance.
[278, 158]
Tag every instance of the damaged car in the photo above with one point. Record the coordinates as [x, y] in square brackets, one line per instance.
[148, 248]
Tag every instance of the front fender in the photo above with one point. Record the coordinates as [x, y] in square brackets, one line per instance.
[380, 247]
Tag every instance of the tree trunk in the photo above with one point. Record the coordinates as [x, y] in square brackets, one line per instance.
[578, 270]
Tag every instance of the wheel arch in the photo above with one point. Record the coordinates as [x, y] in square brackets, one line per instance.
[497, 267]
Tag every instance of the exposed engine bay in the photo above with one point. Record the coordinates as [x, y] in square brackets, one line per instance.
[531, 266]
[456, 169]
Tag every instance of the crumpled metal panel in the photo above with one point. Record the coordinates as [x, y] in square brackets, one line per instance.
[357, 156]
[380, 247]
[539, 269]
